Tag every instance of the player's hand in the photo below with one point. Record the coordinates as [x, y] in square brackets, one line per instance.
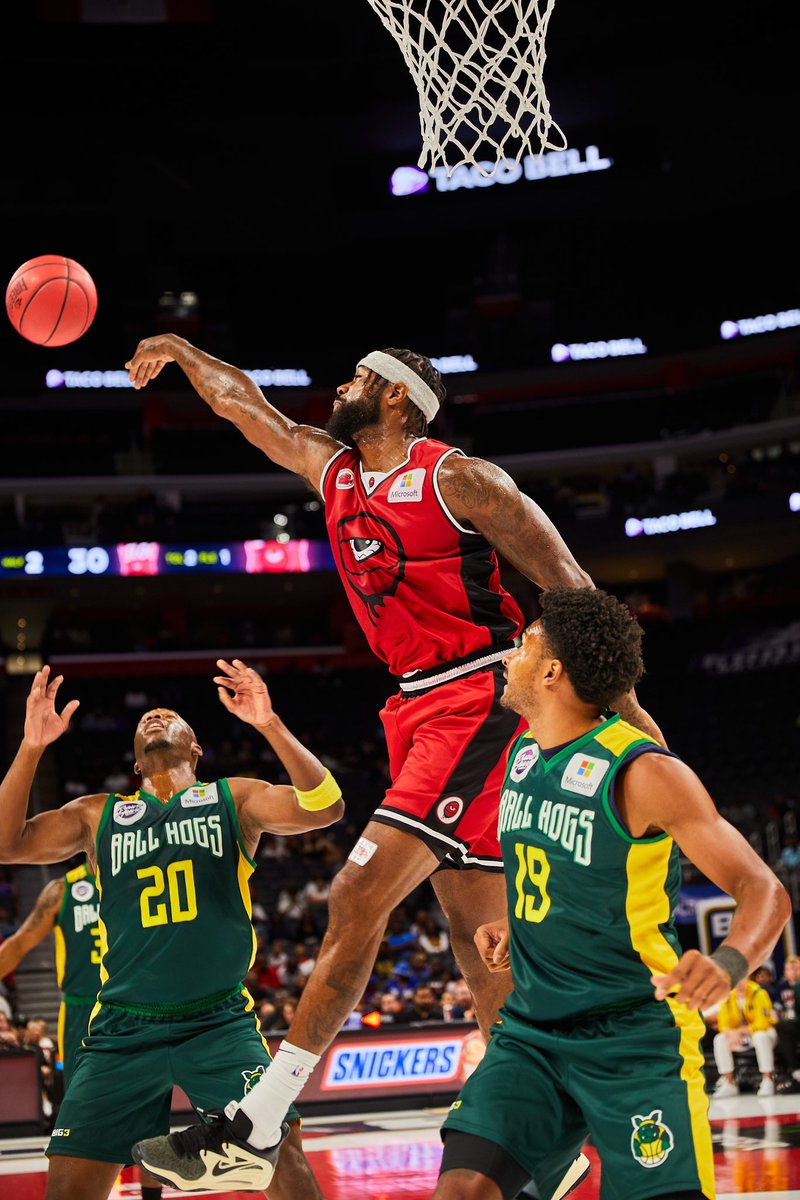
[151, 356]
[244, 693]
[43, 724]
[696, 981]
[492, 942]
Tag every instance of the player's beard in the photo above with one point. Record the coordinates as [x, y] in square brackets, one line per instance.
[157, 744]
[347, 421]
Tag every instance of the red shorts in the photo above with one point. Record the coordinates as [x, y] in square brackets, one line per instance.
[447, 759]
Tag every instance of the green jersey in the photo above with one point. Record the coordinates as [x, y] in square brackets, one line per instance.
[175, 905]
[79, 942]
[590, 908]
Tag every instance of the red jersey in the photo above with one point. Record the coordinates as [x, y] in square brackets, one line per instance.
[425, 589]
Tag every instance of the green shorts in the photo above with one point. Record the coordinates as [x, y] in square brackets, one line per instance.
[633, 1081]
[73, 1021]
[121, 1088]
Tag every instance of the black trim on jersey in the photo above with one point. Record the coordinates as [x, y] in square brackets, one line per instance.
[478, 564]
[468, 1152]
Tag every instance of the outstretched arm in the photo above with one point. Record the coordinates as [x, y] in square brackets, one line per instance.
[34, 928]
[50, 836]
[481, 494]
[313, 801]
[659, 793]
[231, 394]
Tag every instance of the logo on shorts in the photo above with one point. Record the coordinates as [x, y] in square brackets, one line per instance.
[651, 1140]
[450, 809]
[61, 1132]
[82, 890]
[524, 759]
[251, 1078]
[127, 812]
[345, 479]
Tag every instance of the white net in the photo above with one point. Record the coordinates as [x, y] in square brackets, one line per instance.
[478, 66]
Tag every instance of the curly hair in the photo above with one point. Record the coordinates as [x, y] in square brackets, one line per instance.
[597, 639]
[427, 372]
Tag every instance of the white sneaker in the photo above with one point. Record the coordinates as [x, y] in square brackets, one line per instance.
[724, 1090]
[575, 1175]
[767, 1088]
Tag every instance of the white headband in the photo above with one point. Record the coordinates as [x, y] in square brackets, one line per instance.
[394, 371]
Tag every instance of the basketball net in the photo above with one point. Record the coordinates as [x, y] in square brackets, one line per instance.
[478, 66]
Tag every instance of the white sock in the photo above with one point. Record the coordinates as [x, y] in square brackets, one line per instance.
[282, 1082]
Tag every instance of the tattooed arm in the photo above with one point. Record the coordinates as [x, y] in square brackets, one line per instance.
[482, 495]
[34, 928]
[231, 394]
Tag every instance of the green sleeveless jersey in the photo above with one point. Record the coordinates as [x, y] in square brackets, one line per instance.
[79, 942]
[175, 905]
[590, 908]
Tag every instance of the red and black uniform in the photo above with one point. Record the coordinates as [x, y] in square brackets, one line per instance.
[426, 591]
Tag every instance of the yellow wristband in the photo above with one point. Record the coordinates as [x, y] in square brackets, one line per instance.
[324, 795]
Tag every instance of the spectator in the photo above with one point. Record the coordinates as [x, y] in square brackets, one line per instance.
[267, 1015]
[315, 895]
[746, 1017]
[424, 1006]
[400, 980]
[432, 939]
[291, 908]
[790, 854]
[288, 1009]
[464, 1007]
[788, 1028]
[8, 1035]
[393, 1009]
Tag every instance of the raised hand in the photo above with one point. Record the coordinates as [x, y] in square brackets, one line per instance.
[151, 356]
[43, 724]
[244, 693]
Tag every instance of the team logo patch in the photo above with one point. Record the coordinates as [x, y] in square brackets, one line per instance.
[372, 558]
[407, 488]
[195, 796]
[82, 891]
[345, 479]
[583, 774]
[128, 812]
[251, 1078]
[524, 759]
[651, 1140]
[450, 809]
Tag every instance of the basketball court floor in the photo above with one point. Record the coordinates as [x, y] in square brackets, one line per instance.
[395, 1156]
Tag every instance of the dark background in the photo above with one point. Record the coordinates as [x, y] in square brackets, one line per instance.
[245, 155]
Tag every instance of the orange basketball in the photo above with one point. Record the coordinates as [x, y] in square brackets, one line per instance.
[51, 300]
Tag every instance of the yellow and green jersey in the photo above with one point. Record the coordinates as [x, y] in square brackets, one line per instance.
[79, 942]
[590, 908]
[175, 905]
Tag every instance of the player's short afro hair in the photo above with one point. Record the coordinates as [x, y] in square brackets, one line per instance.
[597, 639]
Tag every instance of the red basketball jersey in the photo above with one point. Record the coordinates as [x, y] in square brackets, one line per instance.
[425, 589]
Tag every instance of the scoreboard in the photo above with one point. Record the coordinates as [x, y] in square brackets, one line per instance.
[256, 557]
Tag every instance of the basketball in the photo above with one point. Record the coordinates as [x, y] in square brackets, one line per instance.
[51, 300]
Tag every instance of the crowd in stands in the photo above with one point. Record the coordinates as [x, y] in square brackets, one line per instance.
[758, 477]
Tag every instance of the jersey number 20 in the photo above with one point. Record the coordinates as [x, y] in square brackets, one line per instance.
[182, 907]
